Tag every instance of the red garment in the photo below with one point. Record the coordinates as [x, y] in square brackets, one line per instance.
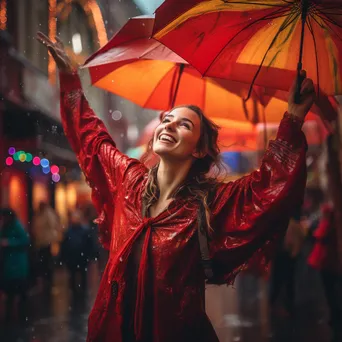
[324, 255]
[248, 215]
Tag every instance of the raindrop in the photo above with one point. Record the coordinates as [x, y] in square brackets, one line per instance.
[116, 115]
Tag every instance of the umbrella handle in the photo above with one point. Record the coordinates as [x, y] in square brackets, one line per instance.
[299, 82]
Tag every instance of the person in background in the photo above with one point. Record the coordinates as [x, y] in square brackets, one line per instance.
[46, 229]
[76, 250]
[14, 245]
[284, 265]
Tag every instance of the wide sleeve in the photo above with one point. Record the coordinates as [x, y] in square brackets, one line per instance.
[250, 215]
[103, 165]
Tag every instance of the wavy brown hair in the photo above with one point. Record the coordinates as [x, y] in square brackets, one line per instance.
[198, 183]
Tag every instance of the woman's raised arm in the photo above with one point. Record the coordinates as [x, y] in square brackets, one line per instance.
[251, 214]
[103, 165]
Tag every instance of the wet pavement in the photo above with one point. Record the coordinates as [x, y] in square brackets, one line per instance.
[238, 313]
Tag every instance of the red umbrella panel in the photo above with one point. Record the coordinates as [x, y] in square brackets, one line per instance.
[138, 68]
[258, 41]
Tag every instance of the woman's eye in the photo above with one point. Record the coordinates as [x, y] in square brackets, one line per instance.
[165, 121]
[185, 125]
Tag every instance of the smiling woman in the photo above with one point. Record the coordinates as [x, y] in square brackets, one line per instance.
[171, 227]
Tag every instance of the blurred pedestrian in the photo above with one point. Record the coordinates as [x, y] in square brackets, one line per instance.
[284, 266]
[76, 250]
[46, 230]
[14, 250]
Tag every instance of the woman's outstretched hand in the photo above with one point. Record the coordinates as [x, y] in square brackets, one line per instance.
[307, 97]
[58, 53]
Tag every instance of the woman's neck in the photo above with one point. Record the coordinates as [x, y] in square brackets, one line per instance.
[170, 176]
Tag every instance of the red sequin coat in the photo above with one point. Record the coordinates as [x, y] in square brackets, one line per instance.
[248, 215]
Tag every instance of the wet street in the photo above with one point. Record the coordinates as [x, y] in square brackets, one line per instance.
[238, 314]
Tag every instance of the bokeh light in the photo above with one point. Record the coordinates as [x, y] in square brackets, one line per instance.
[11, 151]
[9, 161]
[22, 157]
[44, 163]
[62, 170]
[54, 169]
[46, 170]
[16, 156]
[29, 157]
[56, 177]
[36, 161]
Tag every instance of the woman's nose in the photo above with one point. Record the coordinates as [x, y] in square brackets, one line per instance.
[170, 126]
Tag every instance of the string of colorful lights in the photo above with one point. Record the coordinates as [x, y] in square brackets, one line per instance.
[23, 156]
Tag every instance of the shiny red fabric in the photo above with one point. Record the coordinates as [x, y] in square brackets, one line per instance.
[248, 216]
[324, 255]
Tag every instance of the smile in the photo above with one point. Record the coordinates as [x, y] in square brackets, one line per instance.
[167, 138]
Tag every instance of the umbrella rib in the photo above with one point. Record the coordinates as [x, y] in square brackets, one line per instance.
[244, 28]
[255, 3]
[316, 52]
[327, 25]
[156, 87]
[325, 18]
[283, 26]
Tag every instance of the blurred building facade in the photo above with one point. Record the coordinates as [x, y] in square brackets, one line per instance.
[29, 102]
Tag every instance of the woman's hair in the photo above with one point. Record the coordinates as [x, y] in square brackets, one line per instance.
[198, 183]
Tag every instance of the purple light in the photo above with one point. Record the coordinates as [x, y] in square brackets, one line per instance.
[11, 151]
[56, 177]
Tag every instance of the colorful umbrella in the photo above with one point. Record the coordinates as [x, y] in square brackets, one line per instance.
[140, 69]
[257, 41]
[144, 71]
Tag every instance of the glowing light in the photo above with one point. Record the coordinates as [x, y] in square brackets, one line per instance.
[45, 163]
[46, 170]
[16, 156]
[91, 7]
[9, 161]
[52, 35]
[22, 157]
[28, 157]
[76, 41]
[3, 15]
[36, 161]
[56, 177]
[11, 151]
[54, 169]
[62, 170]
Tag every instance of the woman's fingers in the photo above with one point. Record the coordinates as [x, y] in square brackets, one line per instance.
[44, 39]
[59, 42]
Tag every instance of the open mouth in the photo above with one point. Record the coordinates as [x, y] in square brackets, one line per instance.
[167, 138]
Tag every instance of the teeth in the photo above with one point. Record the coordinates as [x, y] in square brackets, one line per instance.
[166, 138]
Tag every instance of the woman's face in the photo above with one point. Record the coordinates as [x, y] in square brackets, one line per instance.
[177, 135]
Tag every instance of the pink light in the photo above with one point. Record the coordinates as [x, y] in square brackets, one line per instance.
[56, 177]
[36, 161]
[54, 169]
[9, 161]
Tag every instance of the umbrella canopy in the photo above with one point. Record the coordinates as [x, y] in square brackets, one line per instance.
[259, 40]
[140, 69]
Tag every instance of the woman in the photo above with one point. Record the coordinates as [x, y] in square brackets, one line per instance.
[14, 244]
[153, 285]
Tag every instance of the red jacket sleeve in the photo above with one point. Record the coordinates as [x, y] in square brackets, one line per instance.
[103, 165]
[251, 214]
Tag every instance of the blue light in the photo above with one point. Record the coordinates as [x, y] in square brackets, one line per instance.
[46, 170]
[44, 163]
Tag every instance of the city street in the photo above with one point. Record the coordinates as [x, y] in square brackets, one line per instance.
[238, 314]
